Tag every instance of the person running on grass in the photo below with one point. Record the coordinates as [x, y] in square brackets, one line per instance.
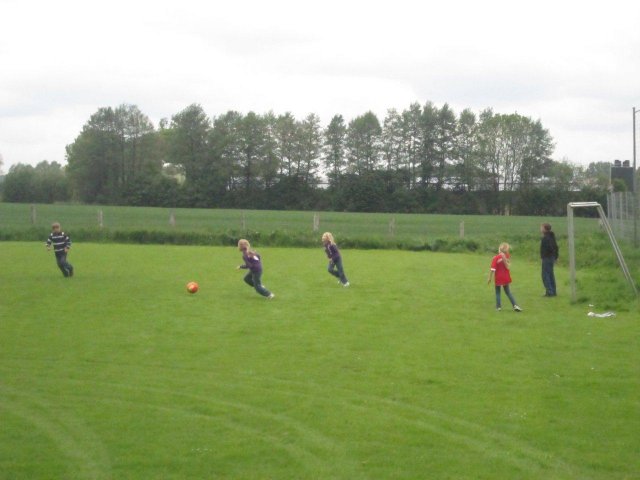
[61, 245]
[500, 268]
[335, 267]
[253, 263]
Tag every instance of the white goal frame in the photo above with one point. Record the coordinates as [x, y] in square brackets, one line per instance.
[612, 238]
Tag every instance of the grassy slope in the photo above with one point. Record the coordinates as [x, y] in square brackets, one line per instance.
[119, 373]
[407, 226]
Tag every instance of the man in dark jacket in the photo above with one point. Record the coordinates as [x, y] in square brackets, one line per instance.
[549, 256]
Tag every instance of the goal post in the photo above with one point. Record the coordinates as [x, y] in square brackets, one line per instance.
[572, 254]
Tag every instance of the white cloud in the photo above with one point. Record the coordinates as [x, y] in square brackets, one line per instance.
[572, 65]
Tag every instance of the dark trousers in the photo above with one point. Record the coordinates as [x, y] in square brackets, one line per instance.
[335, 268]
[548, 277]
[65, 267]
[254, 279]
[507, 290]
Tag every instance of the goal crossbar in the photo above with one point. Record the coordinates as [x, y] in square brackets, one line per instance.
[612, 238]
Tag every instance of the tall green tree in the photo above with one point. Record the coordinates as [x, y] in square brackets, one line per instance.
[413, 138]
[270, 163]
[18, 184]
[597, 175]
[514, 150]
[50, 183]
[466, 167]
[392, 141]
[444, 144]
[226, 142]
[334, 149]
[490, 154]
[535, 148]
[256, 160]
[308, 149]
[114, 147]
[189, 142]
[428, 152]
[138, 143]
[562, 176]
[285, 135]
[93, 159]
[189, 150]
[44, 183]
[364, 144]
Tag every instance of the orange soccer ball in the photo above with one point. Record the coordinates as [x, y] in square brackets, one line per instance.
[192, 287]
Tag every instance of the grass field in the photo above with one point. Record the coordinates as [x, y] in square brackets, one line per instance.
[402, 226]
[119, 373]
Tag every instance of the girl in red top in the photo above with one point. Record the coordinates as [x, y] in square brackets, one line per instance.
[500, 267]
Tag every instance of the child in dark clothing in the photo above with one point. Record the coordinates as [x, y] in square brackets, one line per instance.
[253, 263]
[61, 245]
[335, 259]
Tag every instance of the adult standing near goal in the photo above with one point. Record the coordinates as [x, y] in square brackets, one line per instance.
[549, 256]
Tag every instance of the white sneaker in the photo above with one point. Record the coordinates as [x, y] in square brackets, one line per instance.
[498, 309]
[270, 296]
[345, 284]
[517, 308]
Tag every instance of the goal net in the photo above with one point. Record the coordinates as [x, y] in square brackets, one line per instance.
[572, 254]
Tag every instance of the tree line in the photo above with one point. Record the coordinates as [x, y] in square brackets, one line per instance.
[420, 159]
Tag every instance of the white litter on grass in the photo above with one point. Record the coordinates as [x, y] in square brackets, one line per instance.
[601, 315]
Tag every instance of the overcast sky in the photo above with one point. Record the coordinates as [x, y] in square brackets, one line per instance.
[575, 66]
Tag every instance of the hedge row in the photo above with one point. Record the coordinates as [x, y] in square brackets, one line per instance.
[230, 238]
[594, 249]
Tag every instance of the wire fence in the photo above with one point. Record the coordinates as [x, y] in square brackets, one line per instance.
[402, 227]
[621, 212]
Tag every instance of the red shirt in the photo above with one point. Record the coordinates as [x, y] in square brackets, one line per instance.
[502, 276]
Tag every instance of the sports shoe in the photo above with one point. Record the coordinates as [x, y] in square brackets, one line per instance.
[271, 295]
[517, 308]
[498, 309]
[345, 284]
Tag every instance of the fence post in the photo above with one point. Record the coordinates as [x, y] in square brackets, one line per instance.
[243, 222]
[462, 229]
[392, 226]
[33, 214]
[100, 218]
[316, 222]
[172, 219]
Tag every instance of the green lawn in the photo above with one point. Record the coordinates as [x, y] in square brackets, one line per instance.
[119, 373]
[384, 225]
